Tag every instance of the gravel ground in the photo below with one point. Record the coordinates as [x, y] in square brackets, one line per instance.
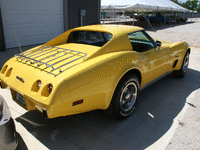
[187, 133]
[189, 32]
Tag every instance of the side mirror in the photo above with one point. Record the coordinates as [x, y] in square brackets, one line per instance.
[158, 43]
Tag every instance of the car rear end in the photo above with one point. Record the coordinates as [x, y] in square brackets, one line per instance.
[35, 75]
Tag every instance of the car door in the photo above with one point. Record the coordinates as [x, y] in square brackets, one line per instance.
[154, 60]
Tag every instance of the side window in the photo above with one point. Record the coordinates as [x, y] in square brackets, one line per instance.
[107, 36]
[141, 41]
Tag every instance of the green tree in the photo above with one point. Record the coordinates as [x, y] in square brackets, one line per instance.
[192, 5]
[176, 1]
[189, 4]
[198, 8]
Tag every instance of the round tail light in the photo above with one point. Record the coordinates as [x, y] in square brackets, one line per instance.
[9, 72]
[39, 84]
[50, 88]
[4, 69]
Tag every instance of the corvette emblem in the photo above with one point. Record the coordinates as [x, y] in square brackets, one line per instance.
[20, 79]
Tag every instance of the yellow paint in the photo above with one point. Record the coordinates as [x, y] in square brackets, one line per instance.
[92, 78]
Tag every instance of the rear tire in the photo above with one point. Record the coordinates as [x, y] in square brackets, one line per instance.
[182, 72]
[125, 97]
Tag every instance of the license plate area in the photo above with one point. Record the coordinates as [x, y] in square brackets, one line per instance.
[20, 98]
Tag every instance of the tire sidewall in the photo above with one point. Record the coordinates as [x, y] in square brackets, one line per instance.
[117, 111]
[181, 73]
[182, 67]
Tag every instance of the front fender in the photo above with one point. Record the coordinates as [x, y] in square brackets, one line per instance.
[177, 53]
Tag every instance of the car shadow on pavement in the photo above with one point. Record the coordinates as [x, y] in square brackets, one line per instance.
[158, 105]
[21, 145]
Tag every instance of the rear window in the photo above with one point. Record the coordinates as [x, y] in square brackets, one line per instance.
[89, 37]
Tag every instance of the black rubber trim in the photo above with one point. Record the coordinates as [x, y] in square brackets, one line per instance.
[45, 114]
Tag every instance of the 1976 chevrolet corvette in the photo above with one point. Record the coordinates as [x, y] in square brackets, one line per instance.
[92, 67]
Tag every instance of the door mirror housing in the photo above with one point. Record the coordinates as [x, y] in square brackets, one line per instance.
[158, 43]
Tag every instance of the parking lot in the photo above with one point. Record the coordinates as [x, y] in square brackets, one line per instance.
[167, 116]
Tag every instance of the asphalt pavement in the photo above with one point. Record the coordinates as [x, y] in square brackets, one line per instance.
[167, 115]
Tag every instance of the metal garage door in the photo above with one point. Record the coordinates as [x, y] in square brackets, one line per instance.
[34, 21]
[2, 41]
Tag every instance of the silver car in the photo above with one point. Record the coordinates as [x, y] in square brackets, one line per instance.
[8, 139]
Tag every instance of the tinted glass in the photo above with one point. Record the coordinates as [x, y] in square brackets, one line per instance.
[141, 41]
[89, 37]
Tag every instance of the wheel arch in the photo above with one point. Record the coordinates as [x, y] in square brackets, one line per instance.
[188, 50]
[135, 72]
[130, 72]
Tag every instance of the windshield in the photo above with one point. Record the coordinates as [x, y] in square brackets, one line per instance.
[89, 37]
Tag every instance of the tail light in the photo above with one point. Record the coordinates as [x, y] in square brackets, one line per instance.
[50, 88]
[9, 72]
[39, 84]
[4, 69]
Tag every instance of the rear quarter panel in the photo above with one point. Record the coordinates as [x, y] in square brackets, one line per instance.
[94, 82]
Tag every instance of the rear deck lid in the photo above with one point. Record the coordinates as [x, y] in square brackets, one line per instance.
[56, 59]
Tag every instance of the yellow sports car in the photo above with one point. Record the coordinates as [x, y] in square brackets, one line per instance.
[92, 67]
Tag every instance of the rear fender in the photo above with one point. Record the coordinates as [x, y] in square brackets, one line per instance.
[94, 83]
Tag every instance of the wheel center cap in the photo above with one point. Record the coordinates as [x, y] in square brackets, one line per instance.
[128, 96]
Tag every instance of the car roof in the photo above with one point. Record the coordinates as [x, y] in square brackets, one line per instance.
[114, 29]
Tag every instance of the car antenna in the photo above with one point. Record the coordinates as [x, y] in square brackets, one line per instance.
[17, 41]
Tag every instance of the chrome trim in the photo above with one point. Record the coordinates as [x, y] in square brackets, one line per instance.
[155, 80]
[41, 55]
[176, 56]
[128, 96]
[20, 79]
[186, 63]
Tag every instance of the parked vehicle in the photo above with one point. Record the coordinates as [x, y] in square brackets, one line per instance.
[124, 17]
[92, 67]
[8, 138]
[179, 18]
[159, 18]
[139, 17]
[155, 18]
